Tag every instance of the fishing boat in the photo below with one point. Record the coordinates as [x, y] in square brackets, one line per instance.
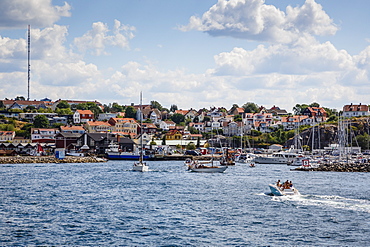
[141, 166]
[196, 166]
[281, 191]
[114, 153]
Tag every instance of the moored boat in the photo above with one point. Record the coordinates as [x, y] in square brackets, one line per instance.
[276, 158]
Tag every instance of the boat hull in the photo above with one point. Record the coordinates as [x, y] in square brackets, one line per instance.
[140, 168]
[118, 156]
[280, 192]
[209, 169]
[270, 160]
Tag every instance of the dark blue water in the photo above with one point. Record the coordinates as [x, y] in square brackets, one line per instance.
[107, 204]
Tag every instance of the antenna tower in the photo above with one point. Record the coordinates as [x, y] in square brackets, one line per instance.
[29, 65]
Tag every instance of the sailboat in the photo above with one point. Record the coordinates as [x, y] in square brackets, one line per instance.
[141, 166]
[196, 166]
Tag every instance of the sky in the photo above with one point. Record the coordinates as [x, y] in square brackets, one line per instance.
[193, 54]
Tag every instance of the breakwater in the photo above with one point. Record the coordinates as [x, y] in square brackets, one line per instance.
[48, 159]
[339, 167]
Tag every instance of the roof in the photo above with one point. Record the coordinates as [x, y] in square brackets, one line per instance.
[73, 127]
[69, 135]
[85, 112]
[357, 108]
[5, 133]
[98, 123]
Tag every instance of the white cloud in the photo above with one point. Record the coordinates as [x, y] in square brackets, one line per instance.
[98, 38]
[283, 59]
[37, 13]
[254, 20]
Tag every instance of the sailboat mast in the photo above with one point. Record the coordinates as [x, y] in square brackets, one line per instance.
[141, 126]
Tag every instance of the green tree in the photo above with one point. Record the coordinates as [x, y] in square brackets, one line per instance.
[117, 108]
[250, 107]
[41, 121]
[63, 105]
[238, 118]
[130, 112]
[19, 98]
[164, 140]
[178, 118]
[173, 108]
[193, 130]
[190, 146]
[206, 119]
[156, 105]
[2, 106]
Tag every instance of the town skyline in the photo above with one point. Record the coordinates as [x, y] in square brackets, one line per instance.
[198, 54]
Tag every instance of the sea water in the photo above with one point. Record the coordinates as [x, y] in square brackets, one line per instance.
[107, 204]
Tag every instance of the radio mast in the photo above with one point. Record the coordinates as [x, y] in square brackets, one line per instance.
[29, 65]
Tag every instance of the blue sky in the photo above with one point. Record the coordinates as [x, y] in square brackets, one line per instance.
[189, 53]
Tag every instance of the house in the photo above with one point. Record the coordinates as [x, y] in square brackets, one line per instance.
[66, 140]
[236, 111]
[293, 122]
[58, 120]
[72, 129]
[95, 142]
[318, 113]
[197, 126]
[232, 128]
[148, 128]
[23, 104]
[260, 121]
[98, 127]
[30, 116]
[148, 113]
[106, 116]
[276, 111]
[7, 136]
[43, 135]
[83, 116]
[126, 125]
[9, 114]
[191, 114]
[173, 135]
[355, 110]
[167, 125]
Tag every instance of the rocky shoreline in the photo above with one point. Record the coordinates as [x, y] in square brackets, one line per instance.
[339, 167]
[48, 159]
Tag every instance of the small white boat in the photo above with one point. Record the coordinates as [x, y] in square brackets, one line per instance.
[279, 191]
[276, 158]
[140, 167]
[195, 166]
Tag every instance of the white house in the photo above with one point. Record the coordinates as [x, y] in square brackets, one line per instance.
[167, 125]
[355, 110]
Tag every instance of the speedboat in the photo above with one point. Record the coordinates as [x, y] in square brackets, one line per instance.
[280, 191]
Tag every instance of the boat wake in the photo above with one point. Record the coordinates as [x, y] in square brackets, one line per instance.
[338, 202]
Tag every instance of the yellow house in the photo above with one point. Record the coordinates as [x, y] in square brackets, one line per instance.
[174, 135]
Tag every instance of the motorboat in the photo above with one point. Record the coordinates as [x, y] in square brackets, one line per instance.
[195, 166]
[245, 158]
[281, 191]
[276, 158]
